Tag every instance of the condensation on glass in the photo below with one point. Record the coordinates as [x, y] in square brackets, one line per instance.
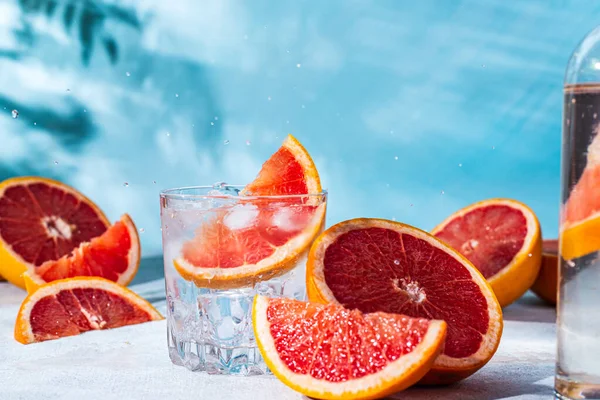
[578, 323]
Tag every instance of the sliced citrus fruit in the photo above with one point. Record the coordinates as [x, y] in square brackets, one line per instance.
[378, 265]
[72, 306]
[114, 255]
[42, 220]
[546, 284]
[502, 238]
[580, 227]
[329, 352]
[260, 237]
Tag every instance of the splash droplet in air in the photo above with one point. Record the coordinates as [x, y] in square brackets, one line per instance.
[395, 157]
[126, 184]
[269, 98]
[15, 114]
[298, 65]
[154, 182]
[442, 192]
[141, 230]
[226, 142]
[219, 185]
[176, 94]
[248, 143]
[460, 164]
[216, 118]
[68, 90]
[127, 73]
[212, 123]
[55, 162]
[168, 134]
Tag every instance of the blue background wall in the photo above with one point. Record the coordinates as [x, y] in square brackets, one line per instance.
[410, 109]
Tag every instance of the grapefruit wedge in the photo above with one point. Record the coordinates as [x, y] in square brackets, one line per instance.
[546, 284]
[42, 220]
[379, 265]
[329, 352]
[260, 237]
[580, 228]
[114, 255]
[72, 306]
[502, 238]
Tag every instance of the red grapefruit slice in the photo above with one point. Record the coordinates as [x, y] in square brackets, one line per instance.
[72, 306]
[261, 237]
[502, 238]
[42, 220]
[115, 255]
[378, 265]
[329, 352]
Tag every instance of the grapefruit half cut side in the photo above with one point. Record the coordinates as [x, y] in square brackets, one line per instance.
[329, 352]
[42, 220]
[114, 255]
[379, 265]
[546, 284]
[502, 238]
[274, 233]
[72, 306]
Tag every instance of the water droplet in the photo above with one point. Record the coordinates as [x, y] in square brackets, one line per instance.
[298, 65]
[168, 134]
[529, 255]
[85, 110]
[216, 118]
[411, 205]
[397, 262]
[141, 230]
[393, 218]
[245, 37]
[126, 184]
[55, 162]
[391, 132]
[212, 123]
[248, 143]
[493, 147]
[482, 65]
[176, 94]
[460, 164]
[595, 115]
[154, 182]
[35, 123]
[219, 185]
[269, 98]
[395, 157]
[226, 142]
[68, 90]
[303, 106]
[15, 114]
[127, 73]
[287, 122]
[442, 192]
[570, 263]
[573, 100]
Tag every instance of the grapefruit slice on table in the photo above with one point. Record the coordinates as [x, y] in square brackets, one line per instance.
[259, 238]
[72, 306]
[379, 265]
[580, 228]
[114, 255]
[546, 284]
[329, 352]
[42, 220]
[502, 238]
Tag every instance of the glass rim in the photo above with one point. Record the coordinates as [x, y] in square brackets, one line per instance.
[176, 193]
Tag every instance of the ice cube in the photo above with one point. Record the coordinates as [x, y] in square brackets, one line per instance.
[288, 219]
[241, 216]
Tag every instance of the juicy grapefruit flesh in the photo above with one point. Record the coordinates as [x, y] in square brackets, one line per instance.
[378, 269]
[41, 222]
[490, 236]
[335, 344]
[582, 202]
[71, 312]
[281, 174]
[247, 233]
[106, 256]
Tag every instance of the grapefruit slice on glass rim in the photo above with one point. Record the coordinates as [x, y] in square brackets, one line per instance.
[277, 230]
[502, 238]
[114, 255]
[42, 220]
[379, 265]
[72, 306]
[329, 352]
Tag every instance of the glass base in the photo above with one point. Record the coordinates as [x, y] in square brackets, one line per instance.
[577, 389]
[215, 360]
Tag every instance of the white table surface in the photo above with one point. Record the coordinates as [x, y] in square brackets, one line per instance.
[132, 363]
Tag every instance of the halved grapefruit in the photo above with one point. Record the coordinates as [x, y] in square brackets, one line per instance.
[502, 238]
[114, 255]
[72, 306]
[329, 352]
[260, 237]
[580, 227]
[379, 265]
[546, 284]
[42, 220]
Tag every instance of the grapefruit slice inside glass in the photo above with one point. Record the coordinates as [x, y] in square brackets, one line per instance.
[42, 220]
[114, 255]
[378, 265]
[273, 224]
[502, 238]
[329, 352]
[72, 306]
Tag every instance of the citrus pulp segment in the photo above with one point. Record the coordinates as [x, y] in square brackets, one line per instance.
[546, 284]
[502, 238]
[72, 306]
[379, 265]
[329, 352]
[114, 255]
[41, 220]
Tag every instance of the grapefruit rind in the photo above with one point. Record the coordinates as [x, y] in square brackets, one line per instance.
[512, 281]
[281, 261]
[33, 281]
[23, 332]
[445, 369]
[581, 238]
[546, 284]
[396, 376]
[12, 266]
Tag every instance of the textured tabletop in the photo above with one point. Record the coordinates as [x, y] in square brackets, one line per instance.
[132, 362]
